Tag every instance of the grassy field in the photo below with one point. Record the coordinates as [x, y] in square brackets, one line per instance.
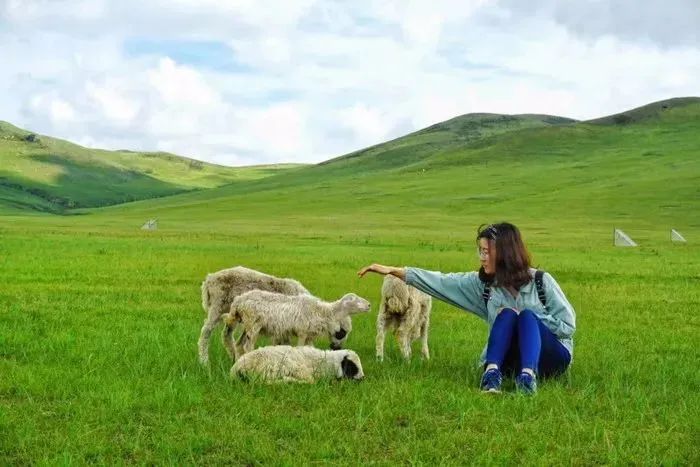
[100, 320]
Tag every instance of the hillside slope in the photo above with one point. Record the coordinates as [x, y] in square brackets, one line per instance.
[641, 173]
[41, 173]
[459, 131]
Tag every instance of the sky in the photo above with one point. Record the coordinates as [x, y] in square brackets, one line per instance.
[241, 82]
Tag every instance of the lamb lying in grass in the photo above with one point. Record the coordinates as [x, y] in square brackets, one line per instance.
[220, 288]
[287, 364]
[406, 310]
[283, 316]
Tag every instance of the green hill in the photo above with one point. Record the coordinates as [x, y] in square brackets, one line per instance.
[478, 163]
[653, 112]
[41, 173]
[644, 172]
[456, 132]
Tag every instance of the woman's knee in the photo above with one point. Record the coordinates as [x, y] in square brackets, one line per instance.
[507, 311]
[527, 313]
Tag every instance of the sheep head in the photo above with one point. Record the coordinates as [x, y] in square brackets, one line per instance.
[338, 334]
[352, 304]
[350, 366]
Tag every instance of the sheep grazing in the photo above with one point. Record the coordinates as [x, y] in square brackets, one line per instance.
[406, 310]
[220, 288]
[287, 364]
[283, 316]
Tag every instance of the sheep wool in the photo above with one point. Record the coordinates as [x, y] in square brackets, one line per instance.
[287, 364]
[405, 310]
[284, 316]
[219, 289]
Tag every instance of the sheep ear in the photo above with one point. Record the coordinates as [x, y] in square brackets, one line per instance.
[344, 302]
[350, 370]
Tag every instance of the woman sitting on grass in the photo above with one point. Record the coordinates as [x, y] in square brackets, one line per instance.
[529, 335]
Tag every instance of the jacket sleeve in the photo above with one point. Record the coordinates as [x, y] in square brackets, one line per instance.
[562, 313]
[460, 289]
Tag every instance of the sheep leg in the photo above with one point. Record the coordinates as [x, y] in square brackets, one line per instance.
[404, 333]
[227, 339]
[281, 340]
[238, 346]
[204, 337]
[381, 329]
[302, 339]
[249, 338]
[404, 338]
[250, 341]
[425, 352]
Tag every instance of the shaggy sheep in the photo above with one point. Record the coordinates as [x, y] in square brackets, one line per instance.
[287, 364]
[406, 310]
[220, 288]
[282, 317]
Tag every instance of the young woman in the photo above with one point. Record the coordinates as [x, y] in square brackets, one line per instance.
[527, 338]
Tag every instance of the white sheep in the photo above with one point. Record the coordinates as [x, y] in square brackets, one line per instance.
[282, 317]
[287, 364]
[220, 288]
[406, 310]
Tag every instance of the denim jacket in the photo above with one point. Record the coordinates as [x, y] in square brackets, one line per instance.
[464, 290]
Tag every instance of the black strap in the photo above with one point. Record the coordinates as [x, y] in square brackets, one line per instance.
[539, 283]
[486, 294]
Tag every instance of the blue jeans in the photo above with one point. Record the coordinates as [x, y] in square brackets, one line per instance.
[520, 340]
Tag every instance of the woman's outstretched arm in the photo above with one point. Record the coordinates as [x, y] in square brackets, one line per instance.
[383, 270]
[463, 290]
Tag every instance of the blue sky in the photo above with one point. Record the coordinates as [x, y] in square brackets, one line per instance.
[241, 82]
[212, 55]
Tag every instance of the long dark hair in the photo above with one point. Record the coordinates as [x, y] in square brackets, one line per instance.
[512, 258]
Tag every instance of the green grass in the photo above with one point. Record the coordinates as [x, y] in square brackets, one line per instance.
[100, 320]
[50, 175]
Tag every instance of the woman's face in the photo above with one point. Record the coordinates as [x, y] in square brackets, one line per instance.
[487, 255]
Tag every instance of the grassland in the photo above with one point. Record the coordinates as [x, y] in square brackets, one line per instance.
[99, 320]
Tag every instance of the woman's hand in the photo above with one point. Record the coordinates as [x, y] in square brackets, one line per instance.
[378, 268]
[383, 270]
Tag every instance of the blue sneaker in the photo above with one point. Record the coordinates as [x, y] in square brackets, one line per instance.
[491, 381]
[526, 383]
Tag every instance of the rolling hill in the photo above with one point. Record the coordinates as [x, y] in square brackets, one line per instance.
[640, 173]
[679, 108]
[40, 173]
[645, 168]
[458, 131]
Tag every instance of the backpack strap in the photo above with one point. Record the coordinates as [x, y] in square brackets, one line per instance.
[539, 283]
[486, 294]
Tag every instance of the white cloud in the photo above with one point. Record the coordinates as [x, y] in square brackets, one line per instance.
[61, 111]
[111, 103]
[368, 124]
[662, 22]
[311, 80]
